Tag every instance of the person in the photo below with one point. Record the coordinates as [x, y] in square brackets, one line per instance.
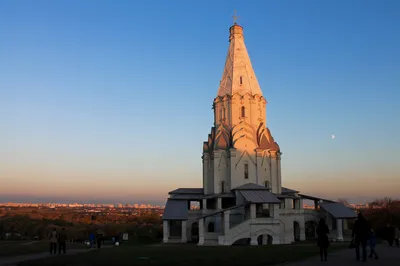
[91, 239]
[372, 244]
[397, 236]
[53, 242]
[390, 234]
[322, 239]
[360, 235]
[62, 241]
[98, 239]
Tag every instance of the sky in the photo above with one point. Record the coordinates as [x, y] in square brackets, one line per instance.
[110, 101]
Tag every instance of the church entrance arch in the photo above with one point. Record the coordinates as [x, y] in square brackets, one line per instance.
[194, 233]
[264, 240]
[296, 231]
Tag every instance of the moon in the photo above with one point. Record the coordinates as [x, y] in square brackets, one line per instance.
[333, 136]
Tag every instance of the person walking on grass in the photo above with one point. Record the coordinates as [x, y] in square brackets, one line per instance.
[372, 244]
[360, 235]
[397, 236]
[53, 242]
[323, 240]
[62, 242]
[99, 238]
[390, 234]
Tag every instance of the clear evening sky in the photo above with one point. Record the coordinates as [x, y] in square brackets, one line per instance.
[110, 101]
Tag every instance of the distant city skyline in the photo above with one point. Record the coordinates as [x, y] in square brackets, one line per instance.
[107, 101]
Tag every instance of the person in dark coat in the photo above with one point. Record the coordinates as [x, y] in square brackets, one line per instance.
[99, 238]
[372, 244]
[323, 240]
[390, 234]
[360, 234]
[62, 241]
[397, 236]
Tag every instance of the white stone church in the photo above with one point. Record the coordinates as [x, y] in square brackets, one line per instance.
[242, 200]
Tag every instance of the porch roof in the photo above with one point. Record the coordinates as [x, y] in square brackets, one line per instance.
[175, 210]
[187, 191]
[251, 186]
[338, 210]
[224, 195]
[286, 190]
[315, 198]
[187, 196]
[259, 196]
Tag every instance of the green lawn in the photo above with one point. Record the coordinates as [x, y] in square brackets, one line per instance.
[14, 248]
[187, 255]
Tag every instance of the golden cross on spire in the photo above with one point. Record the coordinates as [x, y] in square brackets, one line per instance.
[234, 17]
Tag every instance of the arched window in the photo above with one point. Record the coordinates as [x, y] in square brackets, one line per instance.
[266, 184]
[243, 111]
[211, 227]
[241, 80]
[222, 187]
[224, 114]
[246, 171]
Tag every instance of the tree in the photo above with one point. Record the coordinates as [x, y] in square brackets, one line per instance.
[345, 202]
[381, 212]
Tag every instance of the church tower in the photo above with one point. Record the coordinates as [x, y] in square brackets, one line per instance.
[240, 148]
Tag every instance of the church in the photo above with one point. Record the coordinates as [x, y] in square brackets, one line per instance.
[242, 200]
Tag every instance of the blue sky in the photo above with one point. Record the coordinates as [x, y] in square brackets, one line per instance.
[111, 100]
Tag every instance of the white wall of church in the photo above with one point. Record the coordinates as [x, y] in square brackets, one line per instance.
[221, 172]
[229, 110]
[229, 167]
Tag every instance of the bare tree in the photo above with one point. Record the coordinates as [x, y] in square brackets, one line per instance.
[344, 201]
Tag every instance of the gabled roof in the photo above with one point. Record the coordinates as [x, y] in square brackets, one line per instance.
[288, 191]
[251, 186]
[187, 191]
[259, 196]
[175, 210]
[338, 210]
[238, 76]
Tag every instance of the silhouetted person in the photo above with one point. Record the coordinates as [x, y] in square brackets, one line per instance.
[92, 239]
[53, 242]
[397, 236]
[98, 239]
[62, 241]
[372, 244]
[390, 234]
[360, 234]
[323, 240]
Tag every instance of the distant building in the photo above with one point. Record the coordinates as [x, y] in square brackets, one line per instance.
[242, 199]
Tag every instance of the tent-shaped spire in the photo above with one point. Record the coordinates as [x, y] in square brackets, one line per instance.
[238, 76]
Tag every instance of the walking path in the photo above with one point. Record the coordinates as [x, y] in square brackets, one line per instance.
[388, 256]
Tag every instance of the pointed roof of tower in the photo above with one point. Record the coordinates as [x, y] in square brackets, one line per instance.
[238, 76]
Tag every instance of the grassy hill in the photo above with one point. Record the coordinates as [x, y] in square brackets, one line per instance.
[184, 255]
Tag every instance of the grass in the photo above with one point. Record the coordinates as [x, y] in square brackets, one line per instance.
[184, 255]
[15, 248]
